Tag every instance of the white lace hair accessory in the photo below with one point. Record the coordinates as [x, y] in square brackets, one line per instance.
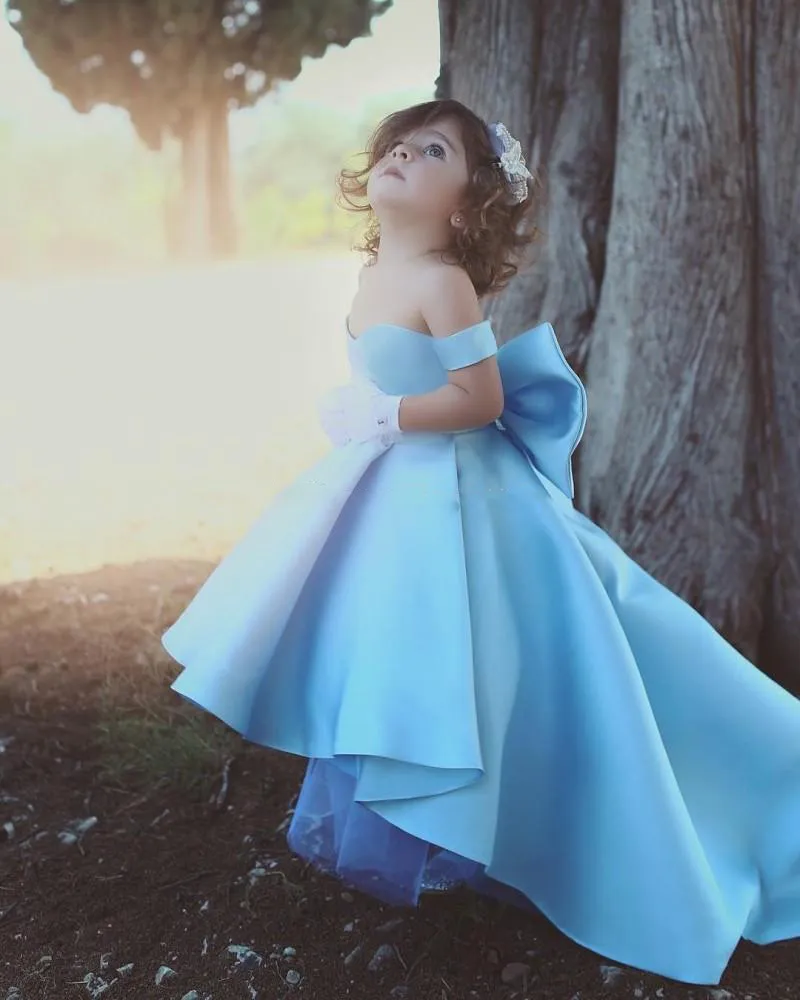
[512, 162]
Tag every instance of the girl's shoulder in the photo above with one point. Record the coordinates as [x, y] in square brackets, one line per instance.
[447, 298]
[433, 279]
[438, 279]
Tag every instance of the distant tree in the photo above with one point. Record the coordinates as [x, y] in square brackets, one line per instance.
[179, 67]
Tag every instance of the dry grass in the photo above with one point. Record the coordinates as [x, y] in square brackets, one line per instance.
[146, 737]
[175, 747]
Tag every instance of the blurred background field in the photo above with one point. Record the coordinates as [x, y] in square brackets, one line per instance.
[152, 415]
[151, 405]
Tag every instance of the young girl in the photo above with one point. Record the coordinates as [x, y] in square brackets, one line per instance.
[488, 689]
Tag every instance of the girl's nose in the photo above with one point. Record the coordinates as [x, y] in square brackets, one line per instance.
[401, 151]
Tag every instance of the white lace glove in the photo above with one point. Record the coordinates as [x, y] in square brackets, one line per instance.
[360, 411]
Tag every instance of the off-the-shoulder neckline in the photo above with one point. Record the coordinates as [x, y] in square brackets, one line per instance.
[405, 329]
[378, 326]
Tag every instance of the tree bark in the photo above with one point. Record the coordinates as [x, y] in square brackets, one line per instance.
[776, 113]
[667, 137]
[673, 352]
[549, 70]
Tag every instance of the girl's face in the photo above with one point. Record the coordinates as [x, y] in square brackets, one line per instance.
[425, 173]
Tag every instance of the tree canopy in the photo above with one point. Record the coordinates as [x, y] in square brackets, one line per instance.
[162, 59]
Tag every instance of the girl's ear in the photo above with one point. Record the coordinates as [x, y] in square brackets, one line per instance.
[457, 220]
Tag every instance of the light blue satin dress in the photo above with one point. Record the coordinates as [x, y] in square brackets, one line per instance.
[490, 691]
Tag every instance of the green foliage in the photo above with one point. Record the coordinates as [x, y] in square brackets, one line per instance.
[98, 200]
[161, 59]
[308, 221]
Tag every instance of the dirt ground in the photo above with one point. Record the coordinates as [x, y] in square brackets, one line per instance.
[142, 849]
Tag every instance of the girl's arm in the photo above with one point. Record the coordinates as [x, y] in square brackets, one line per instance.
[473, 395]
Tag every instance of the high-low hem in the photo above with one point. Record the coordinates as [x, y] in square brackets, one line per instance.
[469, 662]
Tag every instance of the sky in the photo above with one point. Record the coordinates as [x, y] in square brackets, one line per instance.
[402, 54]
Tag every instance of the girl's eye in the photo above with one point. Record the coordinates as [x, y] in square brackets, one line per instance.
[439, 154]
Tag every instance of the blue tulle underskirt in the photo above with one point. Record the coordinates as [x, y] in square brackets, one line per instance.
[346, 839]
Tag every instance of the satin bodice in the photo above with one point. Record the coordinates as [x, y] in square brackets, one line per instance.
[545, 401]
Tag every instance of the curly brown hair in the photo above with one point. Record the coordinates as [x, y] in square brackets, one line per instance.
[496, 233]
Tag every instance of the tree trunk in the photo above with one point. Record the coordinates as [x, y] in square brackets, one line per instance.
[205, 218]
[220, 186]
[195, 207]
[668, 142]
[555, 64]
[673, 347]
[776, 111]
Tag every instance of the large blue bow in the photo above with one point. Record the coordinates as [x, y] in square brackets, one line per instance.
[545, 403]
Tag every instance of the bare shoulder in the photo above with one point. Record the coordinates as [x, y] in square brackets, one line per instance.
[447, 298]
